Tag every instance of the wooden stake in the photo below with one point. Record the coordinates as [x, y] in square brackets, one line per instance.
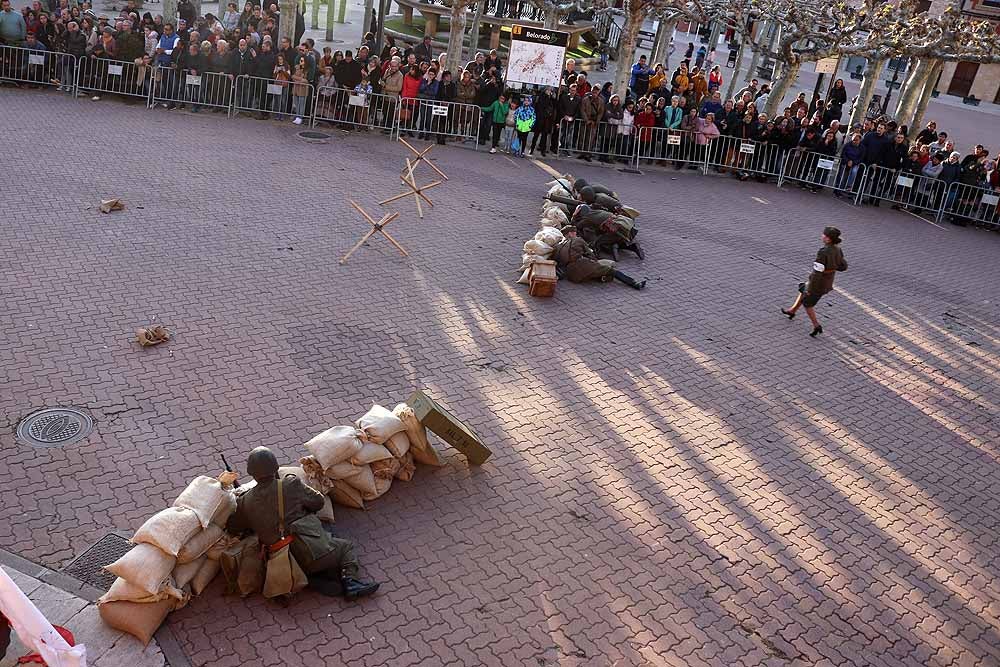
[418, 192]
[422, 157]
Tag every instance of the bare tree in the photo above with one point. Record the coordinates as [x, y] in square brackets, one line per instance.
[553, 10]
[456, 34]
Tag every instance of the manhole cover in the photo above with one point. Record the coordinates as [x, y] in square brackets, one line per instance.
[314, 137]
[54, 427]
[88, 567]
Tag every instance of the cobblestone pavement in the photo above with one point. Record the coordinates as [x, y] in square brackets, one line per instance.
[681, 476]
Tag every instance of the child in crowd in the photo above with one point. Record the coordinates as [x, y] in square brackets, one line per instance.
[300, 90]
[497, 113]
[524, 121]
[326, 87]
[508, 124]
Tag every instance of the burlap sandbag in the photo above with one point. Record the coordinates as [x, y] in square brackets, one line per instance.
[317, 482]
[342, 471]
[346, 495]
[381, 487]
[423, 451]
[183, 574]
[335, 445]
[145, 566]
[386, 469]
[406, 467]
[535, 247]
[371, 453]
[216, 550]
[206, 573]
[123, 590]
[550, 236]
[169, 529]
[379, 424]
[314, 475]
[398, 444]
[199, 544]
[225, 510]
[203, 496]
[138, 619]
[364, 481]
[325, 484]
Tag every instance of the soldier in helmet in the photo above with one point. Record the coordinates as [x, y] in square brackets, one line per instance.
[606, 232]
[578, 262]
[329, 563]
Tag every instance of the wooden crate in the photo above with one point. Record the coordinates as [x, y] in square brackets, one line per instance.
[542, 279]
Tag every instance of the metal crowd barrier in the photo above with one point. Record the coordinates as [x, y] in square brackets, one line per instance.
[173, 87]
[100, 75]
[818, 170]
[667, 146]
[602, 140]
[347, 108]
[972, 202]
[42, 68]
[745, 157]
[914, 192]
[254, 94]
[439, 119]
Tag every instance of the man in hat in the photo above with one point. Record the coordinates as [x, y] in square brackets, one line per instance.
[329, 563]
[577, 261]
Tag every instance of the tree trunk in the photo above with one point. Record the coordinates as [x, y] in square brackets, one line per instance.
[925, 95]
[170, 12]
[551, 21]
[329, 20]
[661, 49]
[789, 73]
[731, 89]
[315, 14]
[626, 48]
[912, 90]
[761, 34]
[474, 33]
[366, 25]
[456, 33]
[286, 22]
[867, 90]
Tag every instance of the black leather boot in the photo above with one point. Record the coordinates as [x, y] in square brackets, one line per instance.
[628, 280]
[354, 588]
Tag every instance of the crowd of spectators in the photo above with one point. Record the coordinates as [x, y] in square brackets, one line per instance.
[674, 117]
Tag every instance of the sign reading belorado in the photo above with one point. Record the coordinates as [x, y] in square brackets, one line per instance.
[536, 56]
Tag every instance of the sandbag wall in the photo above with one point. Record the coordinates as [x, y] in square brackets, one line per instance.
[543, 243]
[358, 463]
[176, 556]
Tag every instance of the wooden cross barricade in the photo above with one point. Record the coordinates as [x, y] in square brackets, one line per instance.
[418, 192]
[422, 157]
[378, 227]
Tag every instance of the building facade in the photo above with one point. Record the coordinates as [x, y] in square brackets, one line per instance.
[965, 78]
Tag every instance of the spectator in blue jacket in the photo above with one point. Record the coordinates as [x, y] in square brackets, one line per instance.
[713, 105]
[851, 158]
[12, 26]
[639, 82]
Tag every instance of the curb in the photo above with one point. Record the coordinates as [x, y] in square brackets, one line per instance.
[165, 638]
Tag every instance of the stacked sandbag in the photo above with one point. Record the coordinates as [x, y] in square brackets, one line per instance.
[176, 554]
[540, 247]
[357, 464]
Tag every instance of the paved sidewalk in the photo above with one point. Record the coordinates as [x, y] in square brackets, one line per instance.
[106, 647]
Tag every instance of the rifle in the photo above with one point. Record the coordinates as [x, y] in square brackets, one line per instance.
[236, 483]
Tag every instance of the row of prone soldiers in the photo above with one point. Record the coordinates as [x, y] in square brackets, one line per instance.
[600, 223]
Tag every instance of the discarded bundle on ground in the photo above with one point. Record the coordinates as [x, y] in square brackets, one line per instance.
[176, 556]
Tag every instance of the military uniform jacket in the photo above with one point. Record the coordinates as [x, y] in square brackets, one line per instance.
[578, 260]
[257, 511]
[831, 259]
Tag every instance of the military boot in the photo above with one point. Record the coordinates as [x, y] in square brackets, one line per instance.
[629, 280]
[353, 588]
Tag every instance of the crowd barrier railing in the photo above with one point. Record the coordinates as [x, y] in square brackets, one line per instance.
[349, 109]
[113, 77]
[174, 87]
[744, 157]
[665, 146]
[913, 192]
[819, 170]
[606, 141]
[972, 202]
[437, 119]
[35, 67]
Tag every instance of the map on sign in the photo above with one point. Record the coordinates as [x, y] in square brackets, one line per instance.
[536, 56]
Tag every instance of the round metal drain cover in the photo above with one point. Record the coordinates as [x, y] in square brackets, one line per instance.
[313, 137]
[54, 427]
